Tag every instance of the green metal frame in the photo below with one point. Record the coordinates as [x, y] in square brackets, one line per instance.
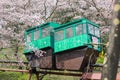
[42, 42]
[77, 40]
[65, 44]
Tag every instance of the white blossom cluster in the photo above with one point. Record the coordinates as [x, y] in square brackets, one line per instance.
[24, 13]
[38, 53]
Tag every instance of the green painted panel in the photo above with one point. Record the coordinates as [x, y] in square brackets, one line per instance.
[38, 44]
[45, 42]
[72, 42]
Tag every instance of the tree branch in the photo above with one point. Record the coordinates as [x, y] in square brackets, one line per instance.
[53, 10]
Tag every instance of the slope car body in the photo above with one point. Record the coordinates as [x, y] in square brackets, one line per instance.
[67, 46]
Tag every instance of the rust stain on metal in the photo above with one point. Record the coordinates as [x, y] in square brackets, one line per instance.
[44, 61]
[76, 59]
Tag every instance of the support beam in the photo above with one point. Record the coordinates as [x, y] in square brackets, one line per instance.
[96, 76]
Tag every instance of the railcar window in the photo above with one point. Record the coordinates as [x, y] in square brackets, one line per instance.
[95, 40]
[29, 37]
[79, 29]
[69, 32]
[84, 28]
[91, 29]
[97, 33]
[59, 35]
[45, 32]
[36, 35]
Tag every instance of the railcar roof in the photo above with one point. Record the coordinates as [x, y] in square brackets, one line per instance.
[82, 20]
[52, 24]
[57, 25]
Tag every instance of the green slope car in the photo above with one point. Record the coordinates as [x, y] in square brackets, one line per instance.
[67, 46]
[40, 38]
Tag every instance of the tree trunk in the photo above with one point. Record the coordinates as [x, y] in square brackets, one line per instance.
[113, 48]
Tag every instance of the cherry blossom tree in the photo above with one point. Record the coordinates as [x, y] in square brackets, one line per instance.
[18, 15]
[112, 57]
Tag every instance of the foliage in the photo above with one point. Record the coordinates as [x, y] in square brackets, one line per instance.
[59, 77]
[24, 76]
[100, 59]
[13, 76]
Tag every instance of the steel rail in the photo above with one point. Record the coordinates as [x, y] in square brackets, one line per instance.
[43, 72]
[14, 70]
[8, 61]
[61, 73]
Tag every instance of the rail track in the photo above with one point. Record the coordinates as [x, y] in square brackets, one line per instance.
[42, 72]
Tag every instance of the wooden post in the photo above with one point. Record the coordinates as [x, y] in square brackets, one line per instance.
[37, 76]
[113, 48]
[29, 76]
